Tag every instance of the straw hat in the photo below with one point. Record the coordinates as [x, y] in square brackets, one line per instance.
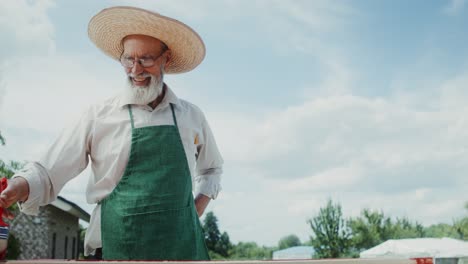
[107, 29]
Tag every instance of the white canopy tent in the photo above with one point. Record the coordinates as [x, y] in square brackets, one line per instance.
[299, 252]
[418, 248]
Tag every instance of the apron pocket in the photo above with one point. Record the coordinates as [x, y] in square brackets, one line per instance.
[154, 209]
[172, 233]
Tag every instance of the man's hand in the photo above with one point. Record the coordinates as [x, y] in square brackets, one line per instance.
[17, 190]
[201, 202]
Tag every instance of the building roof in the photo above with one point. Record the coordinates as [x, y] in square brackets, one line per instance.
[299, 252]
[417, 248]
[71, 208]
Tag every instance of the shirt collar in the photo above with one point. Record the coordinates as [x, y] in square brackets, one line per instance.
[169, 97]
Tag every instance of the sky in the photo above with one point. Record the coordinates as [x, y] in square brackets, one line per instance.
[361, 102]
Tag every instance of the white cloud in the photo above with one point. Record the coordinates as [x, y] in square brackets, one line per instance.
[317, 16]
[56, 91]
[191, 11]
[453, 93]
[331, 130]
[298, 25]
[26, 28]
[337, 177]
[362, 152]
[454, 7]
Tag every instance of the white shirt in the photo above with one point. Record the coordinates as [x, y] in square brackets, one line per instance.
[103, 136]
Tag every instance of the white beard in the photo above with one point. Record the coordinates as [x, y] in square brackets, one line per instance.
[145, 94]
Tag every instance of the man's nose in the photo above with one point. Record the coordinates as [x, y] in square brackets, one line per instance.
[137, 68]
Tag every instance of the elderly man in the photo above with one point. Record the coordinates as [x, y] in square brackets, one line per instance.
[146, 146]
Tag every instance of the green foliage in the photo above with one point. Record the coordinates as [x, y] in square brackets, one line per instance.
[440, 230]
[370, 229]
[218, 244]
[373, 228]
[8, 169]
[221, 248]
[215, 256]
[404, 228]
[250, 251]
[224, 245]
[289, 241]
[212, 234]
[81, 242]
[331, 237]
[461, 226]
[82, 232]
[14, 247]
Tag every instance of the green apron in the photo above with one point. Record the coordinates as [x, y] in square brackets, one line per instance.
[151, 215]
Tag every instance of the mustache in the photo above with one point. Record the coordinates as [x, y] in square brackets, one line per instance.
[142, 75]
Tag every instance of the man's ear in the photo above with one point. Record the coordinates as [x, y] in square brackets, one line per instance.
[168, 56]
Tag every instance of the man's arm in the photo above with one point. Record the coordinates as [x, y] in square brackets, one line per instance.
[209, 169]
[201, 202]
[39, 183]
[16, 191]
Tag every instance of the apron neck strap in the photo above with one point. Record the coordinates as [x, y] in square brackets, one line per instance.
[174, 117]
[131, 116]
[172, 110]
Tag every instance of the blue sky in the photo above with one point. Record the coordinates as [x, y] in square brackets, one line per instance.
[363, 102]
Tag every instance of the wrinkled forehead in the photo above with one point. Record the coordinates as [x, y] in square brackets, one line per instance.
[142, 44]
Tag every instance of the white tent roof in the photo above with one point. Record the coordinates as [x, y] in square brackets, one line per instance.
[418, 247]
[299, 252]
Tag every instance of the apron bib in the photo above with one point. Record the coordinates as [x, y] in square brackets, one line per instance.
[151, 215]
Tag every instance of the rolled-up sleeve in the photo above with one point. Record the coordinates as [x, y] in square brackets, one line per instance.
[65, 159]
[209, 164]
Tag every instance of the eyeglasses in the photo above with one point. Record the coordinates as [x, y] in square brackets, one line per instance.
[145, 62]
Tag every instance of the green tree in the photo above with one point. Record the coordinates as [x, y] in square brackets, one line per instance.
[250, 251]
[373, 228]
[440, 230]
[331, 237]
[461, 226]
[9, 169]
[404, 228]
[14, 247]
[81, 242]
[212, 234]
[224, 245]
[289, 241]
[218, 244]
[2, 139]
[370, 229]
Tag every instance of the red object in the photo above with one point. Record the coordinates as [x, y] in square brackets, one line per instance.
[427, 260]
[3, 185]
[3, 225]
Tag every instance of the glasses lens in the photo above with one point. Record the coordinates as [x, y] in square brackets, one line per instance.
[146, 62]
[127, 62]
[130, 62]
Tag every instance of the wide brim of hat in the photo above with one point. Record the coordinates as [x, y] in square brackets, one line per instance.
[107, 29]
